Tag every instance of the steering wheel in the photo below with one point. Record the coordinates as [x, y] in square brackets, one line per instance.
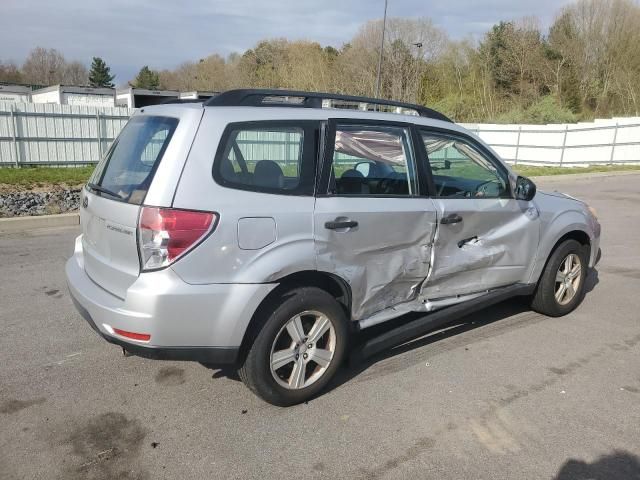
[385, 185]
[481, 189]
[458, 194]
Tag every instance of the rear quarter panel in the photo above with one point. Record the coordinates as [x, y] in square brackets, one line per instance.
[168, 172]
[219, 259]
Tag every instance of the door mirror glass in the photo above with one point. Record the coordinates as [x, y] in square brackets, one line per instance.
[525, 189]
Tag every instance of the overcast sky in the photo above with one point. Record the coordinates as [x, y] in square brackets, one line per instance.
[164, 33]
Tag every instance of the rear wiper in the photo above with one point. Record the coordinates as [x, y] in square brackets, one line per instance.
[101, 189]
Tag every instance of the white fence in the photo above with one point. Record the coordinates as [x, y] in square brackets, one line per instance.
[48, 134]
[611, 141]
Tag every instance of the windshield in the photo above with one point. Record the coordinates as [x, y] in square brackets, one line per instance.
[127, 169]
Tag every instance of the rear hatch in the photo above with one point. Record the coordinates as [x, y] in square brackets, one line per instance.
[111, 201]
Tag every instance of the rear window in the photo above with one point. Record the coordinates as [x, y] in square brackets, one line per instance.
[269, 157]
[127, 169]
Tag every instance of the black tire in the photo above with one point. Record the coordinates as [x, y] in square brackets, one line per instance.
[544, 299]
[256, 369]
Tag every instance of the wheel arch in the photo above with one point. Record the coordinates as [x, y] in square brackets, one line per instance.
[573, 232]
[543, 300]
[579, 236]
[331, 283]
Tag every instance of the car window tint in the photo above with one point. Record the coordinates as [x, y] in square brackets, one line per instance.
[128, 167]
[151, 151]
[264, 158]
[372, 160]
[460, 170]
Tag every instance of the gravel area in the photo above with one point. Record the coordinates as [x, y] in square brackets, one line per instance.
[61, 200]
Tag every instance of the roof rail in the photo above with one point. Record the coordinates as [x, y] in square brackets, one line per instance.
[294, 98]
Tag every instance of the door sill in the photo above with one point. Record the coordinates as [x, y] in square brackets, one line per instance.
[439, 318]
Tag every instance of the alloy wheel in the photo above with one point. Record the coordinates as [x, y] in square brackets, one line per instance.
[568, 279]
[302, 350]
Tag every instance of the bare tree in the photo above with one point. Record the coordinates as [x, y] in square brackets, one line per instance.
[44, 67]
[10, 73]
[524, 53]
[587, 63]
[48, 67]
[75, 73]
[600, 39]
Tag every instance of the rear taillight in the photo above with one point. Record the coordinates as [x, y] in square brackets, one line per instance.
[165, 234]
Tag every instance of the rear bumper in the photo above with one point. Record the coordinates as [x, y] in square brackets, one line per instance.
[204, 323]
[210, 355]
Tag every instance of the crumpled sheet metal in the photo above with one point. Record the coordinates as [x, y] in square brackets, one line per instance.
[471, 256]
[493, 258]
[385, 280]
[407, 274]
[383, 274]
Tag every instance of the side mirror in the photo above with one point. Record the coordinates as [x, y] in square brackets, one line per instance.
[525, 189]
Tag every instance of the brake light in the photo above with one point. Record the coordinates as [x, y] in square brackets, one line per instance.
[166, 234]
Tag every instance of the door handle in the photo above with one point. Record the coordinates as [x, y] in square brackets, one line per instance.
[451, 219]
[338, 224]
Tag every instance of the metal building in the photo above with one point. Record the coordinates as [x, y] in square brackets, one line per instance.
[15, 93]
[139, 97]
[197, 95]
[71, 95]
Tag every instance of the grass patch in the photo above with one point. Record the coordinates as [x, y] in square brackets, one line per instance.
[531, 171]
[30, 177]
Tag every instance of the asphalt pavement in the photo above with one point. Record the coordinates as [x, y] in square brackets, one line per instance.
[507, 394]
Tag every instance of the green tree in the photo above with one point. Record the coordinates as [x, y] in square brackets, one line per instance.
[494, 48]
[100, 74]
[147, 78]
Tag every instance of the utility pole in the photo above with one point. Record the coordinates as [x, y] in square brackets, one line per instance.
[384, 26]
[418, 45]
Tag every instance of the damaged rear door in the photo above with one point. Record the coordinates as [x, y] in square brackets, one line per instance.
[485, 238]
[371, 225]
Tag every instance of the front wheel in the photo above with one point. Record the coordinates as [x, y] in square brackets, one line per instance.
[298, 349]
[561, 286]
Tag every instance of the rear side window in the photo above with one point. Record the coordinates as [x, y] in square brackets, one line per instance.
[128, 167]
[372, 161]
[270, 157]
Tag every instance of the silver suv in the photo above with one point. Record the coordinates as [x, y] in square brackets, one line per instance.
[262, 228]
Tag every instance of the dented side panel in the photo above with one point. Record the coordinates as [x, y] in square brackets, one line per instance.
[491, 247]
[386, 257]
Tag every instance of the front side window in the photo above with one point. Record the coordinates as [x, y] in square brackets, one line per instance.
[128, 167]
[372, 160]
[262, 158]
[460, 170]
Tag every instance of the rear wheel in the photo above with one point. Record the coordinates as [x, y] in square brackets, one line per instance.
[561, 286]
[298, 349]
